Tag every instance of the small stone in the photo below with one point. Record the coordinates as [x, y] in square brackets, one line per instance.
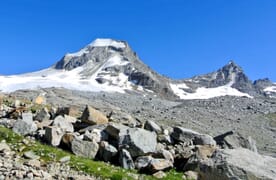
[65, 159]
[4, 147]
[31, 155]
[192, 175]
[160, 175]
[34, 163]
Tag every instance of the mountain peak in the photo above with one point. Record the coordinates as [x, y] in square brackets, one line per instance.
[105, 42]
[232, 66]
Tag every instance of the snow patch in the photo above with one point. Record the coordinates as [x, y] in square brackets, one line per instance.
[270, 89]
[107, 42]
[97, 43]
[206, 93]
[116, 60]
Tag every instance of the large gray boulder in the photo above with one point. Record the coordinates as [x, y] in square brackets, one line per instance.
[138, 141]
[238, 163]
[25, 125]
[82, 148]
[63, 123]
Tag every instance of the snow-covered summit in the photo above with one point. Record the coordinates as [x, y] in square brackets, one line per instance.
[107, 42]
[100, 42]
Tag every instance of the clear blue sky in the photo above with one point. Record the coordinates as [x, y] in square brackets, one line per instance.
[177, 38]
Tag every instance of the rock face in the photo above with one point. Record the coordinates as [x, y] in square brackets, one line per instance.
[238, 164]
[138, 141]
[93, 116]
[87, 149]
[26, 125]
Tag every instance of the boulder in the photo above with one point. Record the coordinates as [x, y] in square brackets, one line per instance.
[93, 116]
[70, 119]
[82, 148]
[63, 123]
[233, 140]
[159, 165]
[142, 162]
[43, 115]
[159, 175]
[237, 163]
[95, 135]
[41, 99]
[67, 139]
[70, 111]
[91, 128]
[116, 130]
[44, 124]
[202, 153]
[152, 126]
[204, 139]
[192, 175]
[25, 126]
[125, 159]
[30, 155]
[65, 159]
[124, 118]
[167, 155]
[138, 141]
[53, 135]
[107, 152]
[184, 135]
[163, 138]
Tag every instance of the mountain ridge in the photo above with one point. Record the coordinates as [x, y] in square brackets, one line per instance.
[111, 65]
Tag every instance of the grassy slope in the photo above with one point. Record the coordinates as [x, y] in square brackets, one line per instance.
[95, 168]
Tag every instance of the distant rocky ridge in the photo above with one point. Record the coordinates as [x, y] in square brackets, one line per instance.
[112, 66]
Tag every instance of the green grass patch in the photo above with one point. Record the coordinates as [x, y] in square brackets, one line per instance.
[99, 169]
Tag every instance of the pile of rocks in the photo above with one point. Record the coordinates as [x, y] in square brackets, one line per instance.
[148, 148]
[13, 166]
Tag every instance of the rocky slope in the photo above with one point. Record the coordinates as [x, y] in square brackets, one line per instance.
[145, 146]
